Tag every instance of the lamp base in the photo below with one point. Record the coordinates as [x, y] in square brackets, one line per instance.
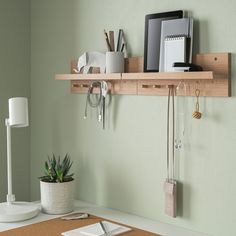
[17, 211]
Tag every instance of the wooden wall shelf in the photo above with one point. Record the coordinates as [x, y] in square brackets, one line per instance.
[213, 81]
[89, 77]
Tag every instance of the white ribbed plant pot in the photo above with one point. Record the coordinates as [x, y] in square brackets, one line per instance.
[57, 198]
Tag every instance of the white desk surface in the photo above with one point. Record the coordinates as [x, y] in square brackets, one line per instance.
[118, 216]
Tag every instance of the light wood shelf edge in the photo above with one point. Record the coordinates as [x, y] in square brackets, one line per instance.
[200, 75]
[89, 77]
[139, 76]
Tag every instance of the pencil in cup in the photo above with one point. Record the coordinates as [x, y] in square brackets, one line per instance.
[107, 41]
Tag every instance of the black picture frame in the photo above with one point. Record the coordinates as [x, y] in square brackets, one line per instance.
[153, 37]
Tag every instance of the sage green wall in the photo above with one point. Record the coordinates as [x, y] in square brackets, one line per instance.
[14, 81]
[124, 167]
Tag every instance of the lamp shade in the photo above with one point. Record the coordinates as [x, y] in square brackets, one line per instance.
[18, 112]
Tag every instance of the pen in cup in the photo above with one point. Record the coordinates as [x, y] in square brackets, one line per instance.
[111, 39]
[107, 41]
[125, 46]
[119, 40]
[122, 47]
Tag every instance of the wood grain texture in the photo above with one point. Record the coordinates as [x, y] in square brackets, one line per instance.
[115, 87]
[89, 77]
[218, 88]
[134, 65]
[201, 75]
[57, 226]
[217, 62]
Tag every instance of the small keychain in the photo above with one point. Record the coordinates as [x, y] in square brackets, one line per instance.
[196, 114]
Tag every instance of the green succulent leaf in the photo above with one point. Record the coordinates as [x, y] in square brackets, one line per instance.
[57, 170]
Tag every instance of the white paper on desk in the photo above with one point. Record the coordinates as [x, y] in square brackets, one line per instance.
[96, 230]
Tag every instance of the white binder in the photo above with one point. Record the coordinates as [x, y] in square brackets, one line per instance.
[175, 51]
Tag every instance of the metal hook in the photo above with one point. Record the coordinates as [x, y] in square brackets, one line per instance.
[197, 92]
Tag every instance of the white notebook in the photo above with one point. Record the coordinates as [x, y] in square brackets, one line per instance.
[96, 230]
[175, 51]
[183, 26]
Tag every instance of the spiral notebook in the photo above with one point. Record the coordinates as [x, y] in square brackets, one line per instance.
[174, 51]
[184, 27]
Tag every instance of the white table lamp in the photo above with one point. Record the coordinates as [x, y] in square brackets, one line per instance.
[12, 211]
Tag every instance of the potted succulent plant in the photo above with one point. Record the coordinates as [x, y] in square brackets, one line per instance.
[57, 186]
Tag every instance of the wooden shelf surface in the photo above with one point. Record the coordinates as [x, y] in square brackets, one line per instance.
[139, 76]
[114, 76]
[169, 75]
[214, 80]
